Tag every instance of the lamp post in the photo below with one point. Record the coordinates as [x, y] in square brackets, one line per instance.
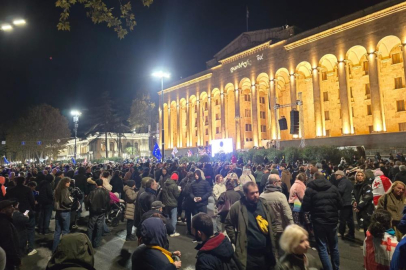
[8, 26]
[162, 75]
[75, 115]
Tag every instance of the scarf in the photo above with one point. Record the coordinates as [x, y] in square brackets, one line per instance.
[168, 254]
[272, 188]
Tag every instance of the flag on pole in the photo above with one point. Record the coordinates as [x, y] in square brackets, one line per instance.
[174, 151]
[157, 152]
[73, 160]
[189, 153]
[5, 160]
[248, 13]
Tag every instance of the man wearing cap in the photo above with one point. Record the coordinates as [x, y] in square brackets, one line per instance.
[8, 235]
[170, 195]
[345, 188]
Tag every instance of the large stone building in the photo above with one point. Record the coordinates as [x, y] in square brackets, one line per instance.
[348, 73]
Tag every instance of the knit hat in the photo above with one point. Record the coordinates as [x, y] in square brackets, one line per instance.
[130, 183]
[156, 205]
[175, 177]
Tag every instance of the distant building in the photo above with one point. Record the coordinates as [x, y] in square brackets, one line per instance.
[350, 73]
[93, 146]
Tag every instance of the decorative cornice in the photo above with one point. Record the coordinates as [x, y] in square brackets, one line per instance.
[245, 53]
[346, 26]
[187, 83]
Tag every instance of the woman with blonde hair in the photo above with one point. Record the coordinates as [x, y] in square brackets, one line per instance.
[295, 243]
[362, 200]
[394, 202]
[219, 186]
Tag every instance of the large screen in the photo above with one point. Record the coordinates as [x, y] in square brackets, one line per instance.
[221, 146]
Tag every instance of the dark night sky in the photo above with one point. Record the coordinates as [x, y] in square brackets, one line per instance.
[178, 35]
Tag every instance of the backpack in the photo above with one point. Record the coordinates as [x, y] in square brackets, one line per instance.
[77, 196]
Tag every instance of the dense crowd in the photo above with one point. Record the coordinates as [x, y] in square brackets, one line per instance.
[242, 215]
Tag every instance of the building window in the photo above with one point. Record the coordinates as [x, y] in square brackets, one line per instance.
[206, 120]
[400, 105]
[371, 129]
[247, 97]
[217, 130]
[248, 139]
[352, 111]
[263, 128]
[217, 116]
[185, 134]
[207, 131]
[367, 91]
[326, 115]
[325, 96]
[369, 110]
[262, 115]
[398, 83]
[365, 67]
[217, 102]
[248, 127]
[247, 113]
[262, 100]
[351, 92]
[206, 106]
[402, 126]
[196, 133]
[396, 59]
[327, 133]
[196, 123]
[196, 108]
[324, 76]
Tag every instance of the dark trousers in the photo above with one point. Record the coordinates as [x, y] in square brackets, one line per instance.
[31, 233]
[130, 224]
[346, 218]
[188, 216]
[257, 260]
[44, 218]
[200, 209]
[95, 228]
[327, 240]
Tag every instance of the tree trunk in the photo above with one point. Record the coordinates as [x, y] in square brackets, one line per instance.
[107, 152]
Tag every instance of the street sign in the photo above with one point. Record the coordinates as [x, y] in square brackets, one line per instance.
[3, 142]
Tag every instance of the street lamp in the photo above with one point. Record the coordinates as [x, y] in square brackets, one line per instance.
[162, 75]
[8, 27]
[132, 148]
[76, 115]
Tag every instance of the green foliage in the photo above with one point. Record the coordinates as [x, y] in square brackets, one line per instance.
[98, 12]
[132, 151]
[143, 113]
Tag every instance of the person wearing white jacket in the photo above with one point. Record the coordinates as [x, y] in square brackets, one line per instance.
[219, 187]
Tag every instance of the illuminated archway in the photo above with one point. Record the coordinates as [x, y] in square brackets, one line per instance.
[174, 124]
[183, 123]
[230, 112]
[216, 113]
[263, 114]
[193, 121]
[246, 121]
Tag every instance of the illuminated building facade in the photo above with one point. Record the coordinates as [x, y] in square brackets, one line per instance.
[350, 74]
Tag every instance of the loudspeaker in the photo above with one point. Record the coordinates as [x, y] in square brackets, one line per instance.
[283, 125]
[294, 122]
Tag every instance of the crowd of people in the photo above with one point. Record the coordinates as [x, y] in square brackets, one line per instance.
[264, 216]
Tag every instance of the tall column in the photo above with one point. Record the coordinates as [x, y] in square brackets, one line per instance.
[178, 121]
[254, 114]
[344, 97]
[375, 92]
[293, 97]
[161, 122]
[223, 116]
[403, 47]
[169, 139]
[237, 93]
[210, 118]
[199, 123]
[272, 103]
[317, 103]
[188, 135]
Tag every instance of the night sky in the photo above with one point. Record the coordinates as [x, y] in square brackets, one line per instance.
[39, 64]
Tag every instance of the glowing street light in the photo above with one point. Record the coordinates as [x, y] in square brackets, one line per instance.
[162, 75]
[19, 22]
[6, 27]
[76, 115]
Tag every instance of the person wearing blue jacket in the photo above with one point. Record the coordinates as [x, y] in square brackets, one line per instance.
[398, 262]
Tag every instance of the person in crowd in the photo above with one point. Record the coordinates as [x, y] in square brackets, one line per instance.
[170, 195]
[323, 201]
[215, 252]
[143, 203]
[20, 222]
[81, 183]
[296, 195]
[98, 203]
[246, 176]
[295, 244]
[312, 167]
[151, 254]
[208, 173]
[399, 255]
[91, 182]
[362, 200]
[75, 251]
[219, 187]
[254, 242]
[2, 188]
[400, 176]
[163, 177]
[286, 178]
[129, 197]
[45, 200]
[2, 259]
[77, 199]
[58, 176]
[380, 243]
[117, 183]
[105, 176]
[9, 236]
[281, 213]
[24, 195]
[62, 206]
[200, 193]
[394, 202]
[258, 175]
[187, 203]
[346, 215]
[226, 200]
[380, 185]
[264, 179]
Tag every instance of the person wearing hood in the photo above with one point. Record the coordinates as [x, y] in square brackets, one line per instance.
[400, 176]
[200, 193]
[246, 176]
[164, 176]
[74, 251]
[215, 252]
[170, 195]
[151, 254]
[323, 201]
[129, 197]
[380, 185]
[281, 213]
[45, 200]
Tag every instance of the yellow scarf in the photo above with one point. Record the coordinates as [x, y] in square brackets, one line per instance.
[168, 254]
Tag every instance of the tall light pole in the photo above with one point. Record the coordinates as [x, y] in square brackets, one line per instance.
[76, 115]
[162, 75]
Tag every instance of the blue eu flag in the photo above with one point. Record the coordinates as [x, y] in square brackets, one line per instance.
[73, 161]
[157, 152]
[6, 161]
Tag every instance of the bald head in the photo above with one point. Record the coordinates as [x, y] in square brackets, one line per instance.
[274, 179]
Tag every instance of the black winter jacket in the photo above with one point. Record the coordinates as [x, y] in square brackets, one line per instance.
[401, 176]
[150, 259]
[98, 201]
[45, 196]
[170, 193]
[24, 196]
[345, 188]
[217, 253]
[323, 201]
[143, 204]
[362, 195]
[9, 241]
[81, 182]
[117, 184]
[201, 188]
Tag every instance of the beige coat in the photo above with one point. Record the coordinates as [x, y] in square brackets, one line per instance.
[130, 196]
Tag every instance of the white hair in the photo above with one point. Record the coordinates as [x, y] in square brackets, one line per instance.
[291, 238]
